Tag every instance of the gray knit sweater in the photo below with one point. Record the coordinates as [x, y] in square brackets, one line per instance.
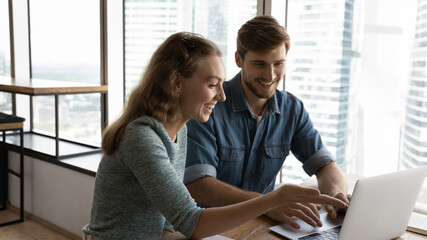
[140, 185]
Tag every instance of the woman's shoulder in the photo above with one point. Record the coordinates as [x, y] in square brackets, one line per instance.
[146, 121]
[142, 129]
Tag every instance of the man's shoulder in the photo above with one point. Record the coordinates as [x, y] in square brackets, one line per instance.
[227, 85]
[286, 98]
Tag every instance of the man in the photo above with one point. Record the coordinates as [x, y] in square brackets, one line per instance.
[237, 154]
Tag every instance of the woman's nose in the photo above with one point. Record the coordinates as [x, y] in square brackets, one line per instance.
[221, 95]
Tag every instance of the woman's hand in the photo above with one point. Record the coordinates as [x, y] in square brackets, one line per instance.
[166, 233]
[290, 193]
[307, 212]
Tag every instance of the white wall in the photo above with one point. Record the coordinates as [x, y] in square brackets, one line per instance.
[56, 194]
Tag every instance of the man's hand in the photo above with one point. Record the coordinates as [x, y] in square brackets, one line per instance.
[333, 210]
[307, 212]
[331, 181]
[300, 202]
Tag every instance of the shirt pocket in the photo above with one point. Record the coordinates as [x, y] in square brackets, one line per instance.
[272, 163]
[230, 165]
[231, 154]
[277, 151]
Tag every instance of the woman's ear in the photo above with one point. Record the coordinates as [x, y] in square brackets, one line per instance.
[177, 82]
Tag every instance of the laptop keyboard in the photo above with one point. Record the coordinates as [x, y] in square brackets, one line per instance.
[331, 234]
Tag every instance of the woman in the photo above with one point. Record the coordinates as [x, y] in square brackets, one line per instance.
[139, 193]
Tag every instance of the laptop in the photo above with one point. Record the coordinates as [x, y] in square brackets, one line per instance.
[380, 208]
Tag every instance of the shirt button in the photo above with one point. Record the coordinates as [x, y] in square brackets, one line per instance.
[227, 156]
[282, 153]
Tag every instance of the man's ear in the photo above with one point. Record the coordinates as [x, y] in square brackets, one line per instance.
[238, 59]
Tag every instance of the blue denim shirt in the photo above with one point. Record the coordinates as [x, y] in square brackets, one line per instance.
[231, 148]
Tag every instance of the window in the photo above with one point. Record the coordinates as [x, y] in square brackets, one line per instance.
[361, 74]
[150, 22]
[5, 70]
[67, 49]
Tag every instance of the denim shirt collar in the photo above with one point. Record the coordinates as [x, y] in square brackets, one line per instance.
[240, 103]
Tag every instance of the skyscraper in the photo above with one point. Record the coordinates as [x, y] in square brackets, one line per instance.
[2, 64]
[319, 66]
[149, 22]
[147, 25]
[414, 131]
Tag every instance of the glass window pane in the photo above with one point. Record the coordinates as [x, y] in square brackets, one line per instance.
[65, 40]
[361, 75]
[5, 98]
[318, 66]
[67, 49]
[150, 22]
[71, 108]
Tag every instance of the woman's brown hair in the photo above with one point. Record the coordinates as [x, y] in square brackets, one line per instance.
[155, 95]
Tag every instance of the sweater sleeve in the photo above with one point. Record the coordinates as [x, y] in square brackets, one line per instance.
[148, 158]
[168, 226]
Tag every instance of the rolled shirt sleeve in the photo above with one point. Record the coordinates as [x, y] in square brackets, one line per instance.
[317, 161]
[202, 159]
[307, 145]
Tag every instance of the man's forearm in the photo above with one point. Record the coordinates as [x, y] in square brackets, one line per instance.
[212, 192]
[331, 180]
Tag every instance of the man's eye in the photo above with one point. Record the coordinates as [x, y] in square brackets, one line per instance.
[213, 85]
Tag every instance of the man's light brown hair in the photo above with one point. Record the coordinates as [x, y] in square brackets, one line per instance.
[261, 34]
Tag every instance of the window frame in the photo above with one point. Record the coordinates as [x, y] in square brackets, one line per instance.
[21, 61]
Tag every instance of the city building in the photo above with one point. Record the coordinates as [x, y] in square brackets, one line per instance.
[414, 131]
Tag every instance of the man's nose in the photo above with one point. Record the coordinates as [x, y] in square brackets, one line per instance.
[270, 74]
